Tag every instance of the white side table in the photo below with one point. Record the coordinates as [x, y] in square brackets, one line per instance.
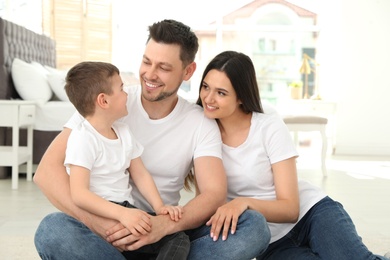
[16, 114]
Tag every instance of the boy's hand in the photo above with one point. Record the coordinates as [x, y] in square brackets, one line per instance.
[136, 221]
[175, 212]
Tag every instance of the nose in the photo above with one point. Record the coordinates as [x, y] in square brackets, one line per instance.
[150, 72]
[208, 96]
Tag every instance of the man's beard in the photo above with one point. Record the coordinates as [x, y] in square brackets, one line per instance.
[162, 95]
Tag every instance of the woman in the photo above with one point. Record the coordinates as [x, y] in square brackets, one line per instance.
[259, 159]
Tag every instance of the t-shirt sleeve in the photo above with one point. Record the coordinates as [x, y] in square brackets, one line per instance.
[81, 149]
[136, 148]
[209, 142]
[277, 140]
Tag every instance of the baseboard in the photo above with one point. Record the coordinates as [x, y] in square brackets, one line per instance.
[23, 168]
[365, 150]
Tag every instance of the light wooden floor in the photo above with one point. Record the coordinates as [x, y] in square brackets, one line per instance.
[361, 184]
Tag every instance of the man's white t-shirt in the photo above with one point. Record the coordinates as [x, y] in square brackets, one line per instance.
[170, 144]
[107, 160]
[249, 172]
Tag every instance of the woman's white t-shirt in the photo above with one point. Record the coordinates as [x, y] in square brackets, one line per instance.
[249, 172]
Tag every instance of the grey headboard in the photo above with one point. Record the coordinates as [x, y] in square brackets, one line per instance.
[18, 42]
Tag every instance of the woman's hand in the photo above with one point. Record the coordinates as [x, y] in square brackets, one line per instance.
[226, 216]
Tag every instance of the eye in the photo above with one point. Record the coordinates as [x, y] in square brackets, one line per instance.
[144, 61]
[221, 93]
[205, 87]
[163, 67]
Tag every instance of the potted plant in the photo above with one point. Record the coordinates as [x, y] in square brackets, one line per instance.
[295, 88]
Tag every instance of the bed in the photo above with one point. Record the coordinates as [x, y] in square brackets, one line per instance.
[28, 72]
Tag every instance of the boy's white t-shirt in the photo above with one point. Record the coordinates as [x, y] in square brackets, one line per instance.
[249, 172]
[107, 159]
[170, 144]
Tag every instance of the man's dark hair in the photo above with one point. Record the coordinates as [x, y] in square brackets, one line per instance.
[174, 32]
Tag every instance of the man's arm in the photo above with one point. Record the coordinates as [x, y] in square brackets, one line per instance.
[212, 184]
[52, 179]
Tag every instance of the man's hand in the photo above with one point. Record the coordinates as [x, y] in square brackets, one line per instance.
[121, 238]
[100, 225]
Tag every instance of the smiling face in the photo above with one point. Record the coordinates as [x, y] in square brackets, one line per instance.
[219, 100]
[161, 71]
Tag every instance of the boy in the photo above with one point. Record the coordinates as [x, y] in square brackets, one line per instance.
[102, 155]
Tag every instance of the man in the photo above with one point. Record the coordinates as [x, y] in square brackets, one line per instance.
[176, 137]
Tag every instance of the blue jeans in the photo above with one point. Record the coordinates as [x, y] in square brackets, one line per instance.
[175, 246]
[62, 237]
[251, 239]
[325, 232]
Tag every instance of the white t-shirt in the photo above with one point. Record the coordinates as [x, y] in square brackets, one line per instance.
[170, 144]
[249, 172]
[107, 159]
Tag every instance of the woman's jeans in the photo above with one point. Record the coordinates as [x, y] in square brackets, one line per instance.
[325, 232]
[60, 236]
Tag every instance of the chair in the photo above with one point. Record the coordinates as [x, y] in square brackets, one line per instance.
[304, 123]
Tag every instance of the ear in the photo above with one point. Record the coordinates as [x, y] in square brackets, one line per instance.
[189, 71]
[101, 100]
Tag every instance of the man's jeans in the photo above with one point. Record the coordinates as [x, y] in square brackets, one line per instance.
[62, 237]
[325, 232]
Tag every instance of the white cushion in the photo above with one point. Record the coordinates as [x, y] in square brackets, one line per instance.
[41, 68]
[56, 79]
[30, 82]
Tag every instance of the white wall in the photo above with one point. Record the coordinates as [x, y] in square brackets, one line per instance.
[27, 13]
[354, 48]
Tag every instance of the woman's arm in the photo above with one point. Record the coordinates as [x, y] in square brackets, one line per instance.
[282, 210]
[285, 209]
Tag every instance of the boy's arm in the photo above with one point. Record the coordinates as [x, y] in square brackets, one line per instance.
[52, 179]
[145, 183]
[133, 219]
